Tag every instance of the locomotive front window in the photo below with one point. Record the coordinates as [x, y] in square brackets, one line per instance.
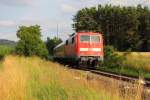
[89, 38]
[95, 39]
[85, 38]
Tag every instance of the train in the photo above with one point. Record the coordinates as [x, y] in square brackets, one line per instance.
[81, 48]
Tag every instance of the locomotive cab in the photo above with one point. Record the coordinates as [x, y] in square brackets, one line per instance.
[90, 48]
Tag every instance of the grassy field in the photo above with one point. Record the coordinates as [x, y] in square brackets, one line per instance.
[35, 79]
[138, 60]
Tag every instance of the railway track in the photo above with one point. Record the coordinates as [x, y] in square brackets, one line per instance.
[145, 82]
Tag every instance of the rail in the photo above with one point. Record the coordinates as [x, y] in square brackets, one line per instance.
[145, 82]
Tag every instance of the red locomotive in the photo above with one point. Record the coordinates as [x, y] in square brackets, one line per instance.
[81, 48]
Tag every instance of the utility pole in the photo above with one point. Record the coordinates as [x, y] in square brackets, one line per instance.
[57, 30]
[107, 32]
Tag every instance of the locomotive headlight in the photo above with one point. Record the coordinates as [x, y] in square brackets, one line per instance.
[96, 49]
[83, 49]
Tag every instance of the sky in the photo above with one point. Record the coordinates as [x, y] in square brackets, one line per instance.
[48, 14]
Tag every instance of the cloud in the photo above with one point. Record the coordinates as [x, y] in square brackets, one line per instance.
[68, 8]
[118, 2]
[7, 23]
[89, 3]
[17, 2]
[129, 2]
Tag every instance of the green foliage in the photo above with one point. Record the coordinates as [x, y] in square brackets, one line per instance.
[86, 20]
[30, 42]
[51, 43]
[111, 58]
[5, 50]
[123, 27]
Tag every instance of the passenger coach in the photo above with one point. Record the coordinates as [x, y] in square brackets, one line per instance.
[81, 48]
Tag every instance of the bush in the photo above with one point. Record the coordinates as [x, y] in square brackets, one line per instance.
[51, 43]
[30, 43]
[5, 50]
[112, 58]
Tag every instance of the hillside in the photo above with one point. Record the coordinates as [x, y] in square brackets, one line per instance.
[7, 42]
[35, 79]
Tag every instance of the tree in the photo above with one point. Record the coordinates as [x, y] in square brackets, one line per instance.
[51, 43]
[30, 42]
[144, 27]
[85, 20]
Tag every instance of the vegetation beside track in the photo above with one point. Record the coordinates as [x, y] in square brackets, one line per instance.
[127, 63]
[138, 60]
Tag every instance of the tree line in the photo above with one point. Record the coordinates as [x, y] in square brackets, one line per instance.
[125, 28]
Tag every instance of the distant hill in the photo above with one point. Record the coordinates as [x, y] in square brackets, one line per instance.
[7, 42]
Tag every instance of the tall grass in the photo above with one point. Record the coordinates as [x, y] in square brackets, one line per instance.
[138, 60]
[35, 79]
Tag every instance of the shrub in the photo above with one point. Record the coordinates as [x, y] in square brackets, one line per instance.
[30, 43]
[112, 58]
[5, 50]
[51, 43]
